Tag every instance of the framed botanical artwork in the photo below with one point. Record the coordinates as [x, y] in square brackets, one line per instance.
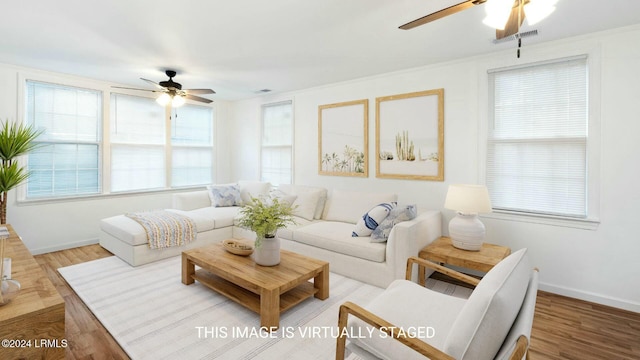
[410, 136]
[343, 138]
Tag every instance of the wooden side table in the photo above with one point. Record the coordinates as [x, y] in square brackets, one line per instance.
[36, 315]
[443, 252]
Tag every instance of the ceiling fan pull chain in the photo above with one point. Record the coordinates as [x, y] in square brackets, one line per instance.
[519, 46]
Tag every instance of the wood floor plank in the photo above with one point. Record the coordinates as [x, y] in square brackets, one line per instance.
[563, 328]
[86, 336]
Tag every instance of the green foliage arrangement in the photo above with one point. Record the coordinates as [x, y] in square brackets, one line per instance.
[15, 140]
[265, 216]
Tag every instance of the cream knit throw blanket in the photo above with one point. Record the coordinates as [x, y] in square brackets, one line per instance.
[165, 229]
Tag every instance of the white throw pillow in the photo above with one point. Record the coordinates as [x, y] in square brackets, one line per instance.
[282, 197]
[396, 215]
[249, 189]
[305, 204]
[224, 195]
[301, 189]
[370, 221]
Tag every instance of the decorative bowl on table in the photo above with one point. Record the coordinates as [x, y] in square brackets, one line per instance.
[237, 247]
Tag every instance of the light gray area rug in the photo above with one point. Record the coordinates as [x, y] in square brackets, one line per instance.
[152, 315]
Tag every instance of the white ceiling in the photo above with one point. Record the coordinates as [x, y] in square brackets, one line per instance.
[237, 47]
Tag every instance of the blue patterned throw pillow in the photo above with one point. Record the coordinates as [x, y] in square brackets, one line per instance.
[397, 215]
[224, 195]
[372, 218]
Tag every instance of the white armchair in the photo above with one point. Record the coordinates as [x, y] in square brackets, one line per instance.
[408, 321]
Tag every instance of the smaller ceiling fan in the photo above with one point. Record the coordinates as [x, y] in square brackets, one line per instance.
[506, 16]
[172, 91]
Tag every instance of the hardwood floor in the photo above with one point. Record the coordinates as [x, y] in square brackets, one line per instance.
[86, 337]
[563, 328]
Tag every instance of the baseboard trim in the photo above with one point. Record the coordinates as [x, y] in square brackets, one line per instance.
[65, 246]
[591, 297]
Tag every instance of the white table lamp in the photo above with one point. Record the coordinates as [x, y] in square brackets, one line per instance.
[466, 230]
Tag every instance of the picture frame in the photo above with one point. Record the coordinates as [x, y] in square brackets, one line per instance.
[410, 136]
[343, 139]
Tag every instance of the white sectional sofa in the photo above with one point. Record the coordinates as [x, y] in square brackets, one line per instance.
[324, 223]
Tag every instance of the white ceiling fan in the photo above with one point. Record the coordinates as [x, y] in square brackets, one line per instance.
[506, 16]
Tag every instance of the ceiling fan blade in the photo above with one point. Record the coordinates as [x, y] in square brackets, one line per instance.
[128, 88]
[153, 83]
[513, 23]
[199, 91]
[198, 98]
[440, 14]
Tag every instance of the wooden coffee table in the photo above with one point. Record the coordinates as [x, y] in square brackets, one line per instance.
[268, 291]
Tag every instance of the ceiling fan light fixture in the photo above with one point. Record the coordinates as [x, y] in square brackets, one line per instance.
[498, 12]
[177, 101]
[538, 10]
[163, 99]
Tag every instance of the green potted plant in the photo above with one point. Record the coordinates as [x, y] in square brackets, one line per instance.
[15, 140]
[265, 216]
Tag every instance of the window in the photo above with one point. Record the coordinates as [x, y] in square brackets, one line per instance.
[537, 156]
[137, 139]
[277, 143]
[67, 161]
[191, 146]
[143, 147]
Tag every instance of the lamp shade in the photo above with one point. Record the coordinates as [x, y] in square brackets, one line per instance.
[468, 199]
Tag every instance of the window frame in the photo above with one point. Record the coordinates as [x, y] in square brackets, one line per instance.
[104, 160]
[291, 147]
[593, 56]
[211, 147]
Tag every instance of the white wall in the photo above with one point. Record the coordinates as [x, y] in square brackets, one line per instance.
[601, 265]
[55, 225]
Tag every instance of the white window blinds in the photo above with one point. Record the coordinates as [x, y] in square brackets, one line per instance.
[67, 161]
[537, 138]
[137, 144]
[277, 143]
[192, 146]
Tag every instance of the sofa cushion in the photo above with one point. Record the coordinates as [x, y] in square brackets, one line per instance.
[485, 320]
[203, 221]
[306, 195]
[249, 189]
[191, 200]
[369, 221]
[224, 195]
[407, 305]
[396, 215]
[348, 206]
[124, 228]
[222, 216]
[336, 237]
[287, 233]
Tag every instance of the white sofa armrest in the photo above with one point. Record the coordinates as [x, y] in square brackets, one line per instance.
[191, 200]
[409, 237]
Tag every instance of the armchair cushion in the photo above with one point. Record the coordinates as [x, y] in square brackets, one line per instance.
[484, 322]
[407, 305]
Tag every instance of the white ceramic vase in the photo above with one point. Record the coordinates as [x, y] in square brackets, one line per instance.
[268, 253]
